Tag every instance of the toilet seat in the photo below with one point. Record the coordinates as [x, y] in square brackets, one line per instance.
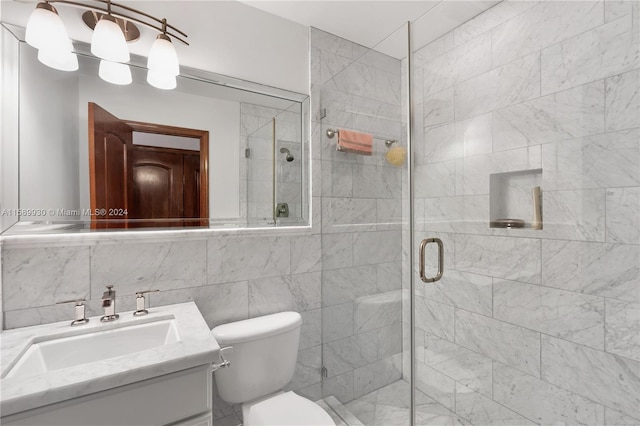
[285, 409]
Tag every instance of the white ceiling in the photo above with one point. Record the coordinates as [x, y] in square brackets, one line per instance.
[378, 23]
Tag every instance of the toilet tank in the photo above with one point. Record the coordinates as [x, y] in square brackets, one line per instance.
[263, 360]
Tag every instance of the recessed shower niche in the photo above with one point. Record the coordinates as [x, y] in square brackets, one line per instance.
[515, 199]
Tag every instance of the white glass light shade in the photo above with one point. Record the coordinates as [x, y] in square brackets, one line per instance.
[161, 80]
[45, 29]
[115, 73]
[108, 41]
[63, 61]
[163, 57]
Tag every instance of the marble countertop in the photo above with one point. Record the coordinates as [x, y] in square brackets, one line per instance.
[195, 347]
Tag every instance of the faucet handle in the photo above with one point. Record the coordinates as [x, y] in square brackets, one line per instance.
[79, 317]
[140, 302]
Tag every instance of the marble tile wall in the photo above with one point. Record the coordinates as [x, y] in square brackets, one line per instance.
[360, 200]
[533, 326]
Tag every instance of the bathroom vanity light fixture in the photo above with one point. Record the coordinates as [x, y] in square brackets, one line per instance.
[112, 29]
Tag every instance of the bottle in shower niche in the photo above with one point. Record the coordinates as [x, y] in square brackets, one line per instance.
[536, 195]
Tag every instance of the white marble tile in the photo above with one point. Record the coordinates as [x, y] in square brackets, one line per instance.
[337, 251]
[615, 418]
[135, 267]
[346, 284]
[463, 290]
[37, 277]
[476, 169]
[434, 49]
[507, 343]
[460, 64]
[614, 9]
[622, 100]
[622, 328]
[380, 310]
[348, 214]
[599, 161]
[242, 258]
[337, 179]
[376, 375]
[480, 410]
[441, 144]
[391, 416]
[608, 270]
[347, 354]
[340, 387]
[311, 330]
[389, 214]
[435, 180]
[542, 402]
[501, 257]
[435, 317]
[443, 213]
[364, 410]
[436, 385]
[218, 304]
[438, 107]
[306, 254]
[494, 16]
[604, 378]
[507, 85]
[568, 114]
[571, 316]
[475, 135]
[623, 215]
[545, 24]
[307, 368]
[376, 182]
[376, 247]
[389, 276]
[466, 367]
[602, 52]
[222, 303]
[337, 322]
[287, 293]
[574, 215]
[389, 340]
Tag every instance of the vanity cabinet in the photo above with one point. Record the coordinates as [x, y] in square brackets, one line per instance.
[183, 398]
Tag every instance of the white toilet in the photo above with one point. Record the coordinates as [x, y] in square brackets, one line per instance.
[263, 361]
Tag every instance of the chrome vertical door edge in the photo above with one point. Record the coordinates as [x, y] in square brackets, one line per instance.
[423, 245]
[412, 285]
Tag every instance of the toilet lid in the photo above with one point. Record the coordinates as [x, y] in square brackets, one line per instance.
[287, 409]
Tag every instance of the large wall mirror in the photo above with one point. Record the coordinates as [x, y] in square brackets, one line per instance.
[214, 152]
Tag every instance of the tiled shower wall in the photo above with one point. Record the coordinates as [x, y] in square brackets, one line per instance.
[532, 326]
[256, 204]
[358, 89]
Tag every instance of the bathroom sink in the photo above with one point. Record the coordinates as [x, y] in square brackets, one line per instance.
[56, 352]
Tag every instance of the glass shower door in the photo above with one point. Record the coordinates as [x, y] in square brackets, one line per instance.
[526, 165]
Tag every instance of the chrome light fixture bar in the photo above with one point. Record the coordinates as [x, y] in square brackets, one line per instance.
[112, 30]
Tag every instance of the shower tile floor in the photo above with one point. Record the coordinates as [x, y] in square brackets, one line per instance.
[390, 406]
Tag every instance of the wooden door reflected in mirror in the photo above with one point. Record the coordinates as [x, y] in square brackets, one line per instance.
[141, 182]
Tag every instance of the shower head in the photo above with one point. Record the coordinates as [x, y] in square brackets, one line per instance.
[289, 157]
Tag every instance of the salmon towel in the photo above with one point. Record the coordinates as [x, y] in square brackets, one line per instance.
[355, 142]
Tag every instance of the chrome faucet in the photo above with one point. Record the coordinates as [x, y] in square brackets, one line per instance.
[109, 305]
[80, 317]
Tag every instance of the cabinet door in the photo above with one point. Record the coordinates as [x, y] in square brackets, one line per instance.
[154, 402]
[205, 420]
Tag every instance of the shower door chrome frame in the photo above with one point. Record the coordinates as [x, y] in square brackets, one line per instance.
[412, 292]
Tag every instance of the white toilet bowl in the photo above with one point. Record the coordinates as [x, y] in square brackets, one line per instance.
[285, 409]
[263, 361]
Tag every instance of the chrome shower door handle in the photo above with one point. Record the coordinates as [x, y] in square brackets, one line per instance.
[423, 245]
